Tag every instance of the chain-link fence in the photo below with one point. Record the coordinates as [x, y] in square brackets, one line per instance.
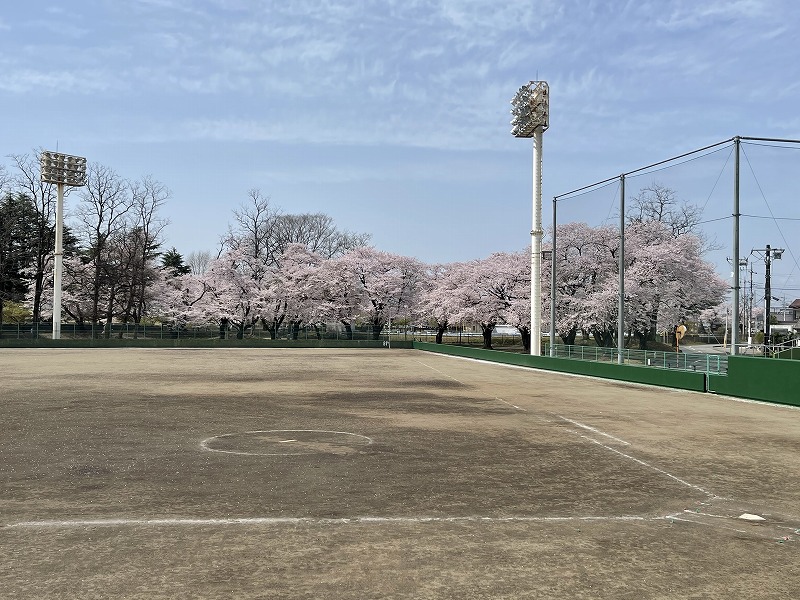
[137, 331]
[684, 361]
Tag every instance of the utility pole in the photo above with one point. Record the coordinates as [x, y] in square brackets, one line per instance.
[767, 299]
[770, 254]
[750, 314]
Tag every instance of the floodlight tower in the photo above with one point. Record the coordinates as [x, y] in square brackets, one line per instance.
[61, 169]
[531, 116]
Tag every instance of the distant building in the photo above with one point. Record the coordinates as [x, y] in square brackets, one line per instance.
[787, 319]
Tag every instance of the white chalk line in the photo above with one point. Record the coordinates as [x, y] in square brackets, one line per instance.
[440, 372]
[594, 430]
[319, 521]
[654, 468]
[594, 441]
[205, 443]
[621, 441]
[511, 405]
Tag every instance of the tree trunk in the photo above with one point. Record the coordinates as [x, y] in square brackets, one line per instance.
[223, 325]
[569, 337]
[603, 338]
[376, 331]
[440, 333]
[642, 338]
[295, 327]
[487, 335]
[317, 331]
[526, 338]
[109, 313]
[37, 297]
[348, 330]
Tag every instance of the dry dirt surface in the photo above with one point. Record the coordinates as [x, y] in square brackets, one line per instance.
[361, 474]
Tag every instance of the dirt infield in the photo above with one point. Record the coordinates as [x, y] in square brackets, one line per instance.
[147, 473]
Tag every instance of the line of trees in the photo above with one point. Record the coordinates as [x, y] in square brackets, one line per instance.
[274, 270]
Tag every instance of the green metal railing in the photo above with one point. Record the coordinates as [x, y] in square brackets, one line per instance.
[704, 363]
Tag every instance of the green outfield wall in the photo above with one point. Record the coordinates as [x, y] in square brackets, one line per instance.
[758, 378]
[686, 380]
[189, 342]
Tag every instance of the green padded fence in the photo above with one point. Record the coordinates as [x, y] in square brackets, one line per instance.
[758, 378]
[686, 380]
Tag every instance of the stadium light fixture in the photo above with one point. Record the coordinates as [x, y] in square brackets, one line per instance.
[531, 117]
[60, 169]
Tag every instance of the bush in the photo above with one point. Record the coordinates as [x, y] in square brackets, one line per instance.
[14, 312]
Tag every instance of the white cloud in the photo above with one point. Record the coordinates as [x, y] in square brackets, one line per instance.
[23, 81]
[694, 15]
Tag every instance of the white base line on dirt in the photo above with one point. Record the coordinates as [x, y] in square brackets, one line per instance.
[654, 468]
[594, 441]
[593, 430]
[440, 372]
[187, 522]
[511, 405]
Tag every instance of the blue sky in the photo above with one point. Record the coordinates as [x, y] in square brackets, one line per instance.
[393, 116]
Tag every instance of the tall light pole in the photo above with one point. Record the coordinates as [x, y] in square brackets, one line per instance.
[531, 116]
[60, 169]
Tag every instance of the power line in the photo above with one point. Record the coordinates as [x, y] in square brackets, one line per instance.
[770, 217]
[714, 220]
[769, 208]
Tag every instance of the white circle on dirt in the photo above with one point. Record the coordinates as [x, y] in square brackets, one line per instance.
[287, 442]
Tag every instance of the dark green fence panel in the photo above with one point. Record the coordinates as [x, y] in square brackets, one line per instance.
[188, 342]
[758, 378]
[685, 380]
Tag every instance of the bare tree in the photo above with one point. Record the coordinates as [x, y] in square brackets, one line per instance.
[318, 233]
[147, 196]
[659, 203]
[104, 212]
[199, 261]
[252, 233]
[5, 181]
[28, 181]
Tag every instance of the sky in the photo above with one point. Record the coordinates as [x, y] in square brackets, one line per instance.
[392, 116]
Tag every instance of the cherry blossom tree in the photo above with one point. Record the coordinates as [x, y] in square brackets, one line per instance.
[340, 297]
[373, 286]
[487, 290]
[666, 281]
[295, 287]
[180, 299]
[438, 296]
[234, 296]
[584, 257]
